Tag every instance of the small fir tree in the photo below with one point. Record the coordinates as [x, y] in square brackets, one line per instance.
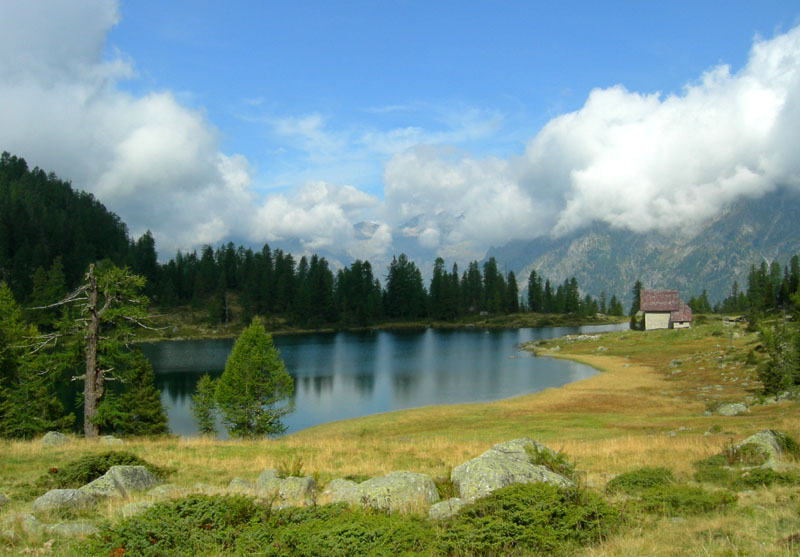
[204, 406]
[254, 391]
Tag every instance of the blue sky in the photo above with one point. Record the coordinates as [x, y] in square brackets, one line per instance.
[448, 127]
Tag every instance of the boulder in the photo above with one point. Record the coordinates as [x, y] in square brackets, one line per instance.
[167, 491]
[239, 486]
[297, 490]
[56, 499]
[503, 465]
[105, 487]
[53, 439]
[23, 523]
[341, 491]
[445, 509]
[268, 482]
[771, 443]
[730, 409]
[132, 509]
[133, 478]
[399, 491]
[111, 440]
[72, 529]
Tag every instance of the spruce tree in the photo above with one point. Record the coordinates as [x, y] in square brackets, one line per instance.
[254, 391]
[204, 406]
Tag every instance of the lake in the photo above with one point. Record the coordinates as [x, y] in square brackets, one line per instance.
[351, 374]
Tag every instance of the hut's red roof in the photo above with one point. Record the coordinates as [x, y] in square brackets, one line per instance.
[684, 314]
[660, 300]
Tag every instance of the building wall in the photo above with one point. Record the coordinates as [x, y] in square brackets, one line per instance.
[682, 325]
[653, 320]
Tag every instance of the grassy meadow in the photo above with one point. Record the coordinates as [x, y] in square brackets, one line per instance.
[645, 408]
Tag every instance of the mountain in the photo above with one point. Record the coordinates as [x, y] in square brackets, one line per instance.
[710, 256]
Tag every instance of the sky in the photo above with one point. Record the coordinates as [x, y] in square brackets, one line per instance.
[438, 128]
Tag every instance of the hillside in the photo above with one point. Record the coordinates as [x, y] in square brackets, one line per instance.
[710, 257]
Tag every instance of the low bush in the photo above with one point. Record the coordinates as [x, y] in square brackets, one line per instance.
[787, 444]
[684, 500]
[79, 472]
[763, 477]
[532, 518]
[524, 518]
[635, 481]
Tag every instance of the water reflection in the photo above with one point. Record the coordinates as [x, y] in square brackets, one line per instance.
[343, 375]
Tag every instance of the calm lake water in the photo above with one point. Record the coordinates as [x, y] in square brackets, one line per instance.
[345, 375]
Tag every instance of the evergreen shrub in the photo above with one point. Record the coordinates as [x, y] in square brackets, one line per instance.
[637, 481]
[684, 500]
[79, 472]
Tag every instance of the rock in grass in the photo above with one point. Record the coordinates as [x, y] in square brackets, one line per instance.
[133, 478]
[730, 409]
[238, 486]
[105, 487]
[771, 443]
[503, 465]
[55, 499]
[341, 491]
[19, 523]
[111, 440]
[268, 482]
[445, 509]
[53, 439]
[3, 500]
[167, 491]
[298, 490]
[398, 491]
[132, 509]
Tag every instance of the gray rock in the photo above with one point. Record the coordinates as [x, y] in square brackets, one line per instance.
[3, 500]
[297, 490]
[341, 491]
[730, 409]
[167, 491]
[241, 487]
[111, 440]
[399, 491]
[20, 522]
[503, 465]
[132, 509]
[445, 509]
[268, 482]
[205, 489]
[105, 487]
[133, 478]
[53, 439]
[771, 444]
[72, 529]
[64, 499]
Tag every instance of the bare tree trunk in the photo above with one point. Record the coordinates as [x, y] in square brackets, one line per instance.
[93, 381]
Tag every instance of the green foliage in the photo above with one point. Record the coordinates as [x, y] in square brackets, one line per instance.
[636, 481]
[781, 368]
[253, 393]
[554, 461]
[530, 518]
[138, 409]
[763, 477]
[292, 467]
[681, 499]
[28, 404]
[787, 443]
[204, 406]
[79, 472]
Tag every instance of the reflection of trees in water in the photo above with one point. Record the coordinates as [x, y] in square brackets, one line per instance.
[179, 387]
[405, 385]
[318, 383]
[364, 383]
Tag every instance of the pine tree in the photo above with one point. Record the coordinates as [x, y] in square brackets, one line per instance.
[204, 406]
[254, 391]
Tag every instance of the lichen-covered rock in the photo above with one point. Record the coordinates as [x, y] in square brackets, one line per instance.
[771, 443]
[340, 491]
[205, 489]
[111, 440]
[71, 529]
[105, 487]
[133, 478]
[132, 509]
[298, 490]
[53, 439]
[445, 509]
[167, 491]
[399, 491]
[239, 486]
[730, 409]
[503, 465]
[268, 482]
[64, 499]
[23, 523]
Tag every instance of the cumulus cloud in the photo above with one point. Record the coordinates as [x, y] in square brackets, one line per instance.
[637, 161]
